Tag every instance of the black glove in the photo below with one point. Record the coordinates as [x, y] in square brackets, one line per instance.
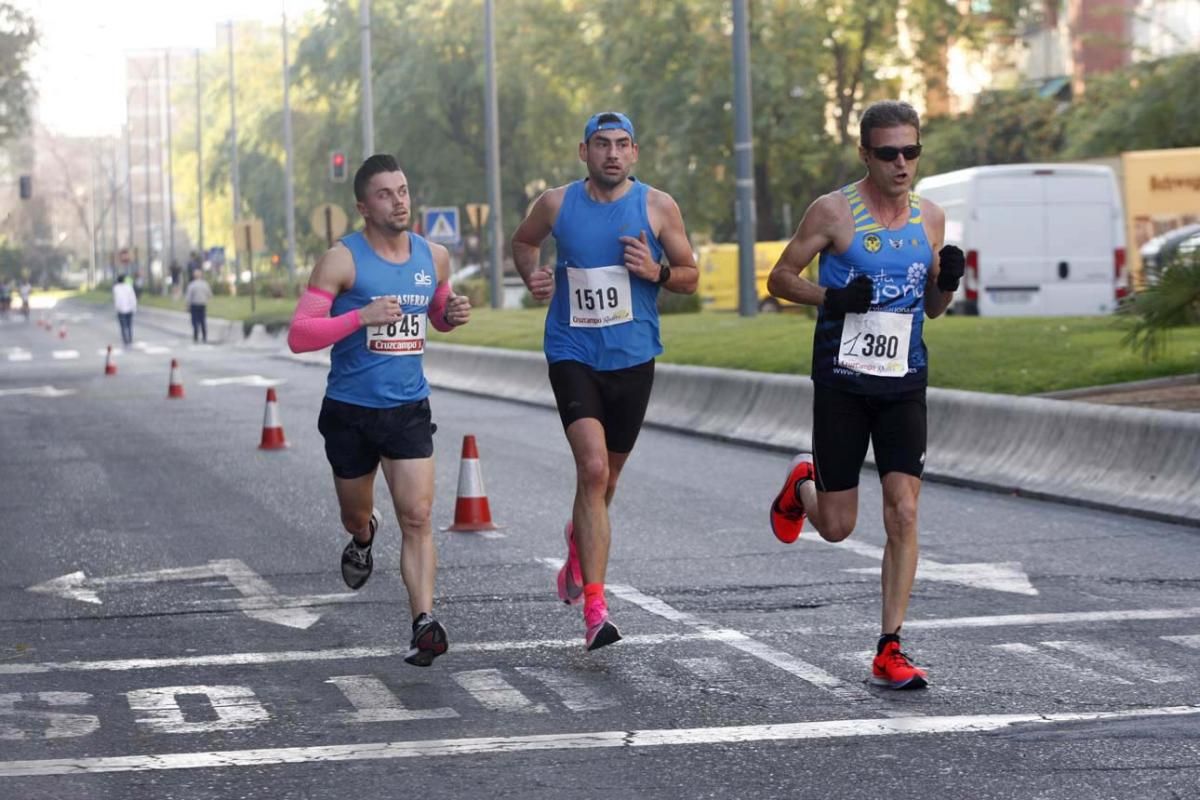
[952, 267]
[854, 297]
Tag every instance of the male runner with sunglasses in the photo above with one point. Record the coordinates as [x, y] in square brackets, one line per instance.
[883, 269]
[612, 232]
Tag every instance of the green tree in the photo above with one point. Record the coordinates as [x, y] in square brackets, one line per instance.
[1005, 127]
[18, 35]
[1146, 106]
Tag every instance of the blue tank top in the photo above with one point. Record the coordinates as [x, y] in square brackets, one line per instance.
[601, 314]
[379, 366]
[898, 262]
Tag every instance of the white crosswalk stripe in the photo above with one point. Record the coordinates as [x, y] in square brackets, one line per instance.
[1040, 658]
[1121, 660]
[574, 694]
[496, 694]
[1192, 641]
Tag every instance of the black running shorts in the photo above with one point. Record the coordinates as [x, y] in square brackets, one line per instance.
[617, 398]
[843, 422]
[356, 436]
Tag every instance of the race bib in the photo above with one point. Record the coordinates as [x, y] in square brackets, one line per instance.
[404, 337]
[599, 297]
[876, 343]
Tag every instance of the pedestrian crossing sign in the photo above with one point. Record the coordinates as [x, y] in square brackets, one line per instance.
[441, 225]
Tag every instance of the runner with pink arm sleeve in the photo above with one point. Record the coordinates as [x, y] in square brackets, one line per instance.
[371, 297]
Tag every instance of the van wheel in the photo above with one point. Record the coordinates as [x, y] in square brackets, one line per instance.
[769, 305]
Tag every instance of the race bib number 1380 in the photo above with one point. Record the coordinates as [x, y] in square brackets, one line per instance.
[404, 337]
[876, 343]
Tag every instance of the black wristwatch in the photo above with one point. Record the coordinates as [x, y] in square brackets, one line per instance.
[664, 274]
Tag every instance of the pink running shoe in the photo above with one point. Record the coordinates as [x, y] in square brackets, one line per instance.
[570, 577]
[600, 631]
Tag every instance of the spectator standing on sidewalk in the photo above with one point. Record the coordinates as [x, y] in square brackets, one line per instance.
[125, 302]
[197, 295]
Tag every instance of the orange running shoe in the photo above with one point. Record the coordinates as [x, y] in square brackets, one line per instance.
[893, 669]
[787, 513]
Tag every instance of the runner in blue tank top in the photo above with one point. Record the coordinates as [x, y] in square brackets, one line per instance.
[371, 296]
[612, 233]
[879, 279]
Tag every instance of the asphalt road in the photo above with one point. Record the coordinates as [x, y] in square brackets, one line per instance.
[173, 623]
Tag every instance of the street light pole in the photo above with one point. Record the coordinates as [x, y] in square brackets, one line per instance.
[289, 190]
[199, 166]
[146, 183]
[743, 151]
[233, 146]
[368, 101]
[492, 124]
[170, 174]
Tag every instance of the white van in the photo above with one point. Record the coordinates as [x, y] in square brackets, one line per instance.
[1040, 239]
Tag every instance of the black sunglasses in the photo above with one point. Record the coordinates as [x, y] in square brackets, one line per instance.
[890, 153]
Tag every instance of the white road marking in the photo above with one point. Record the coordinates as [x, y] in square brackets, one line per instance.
[259, 600]
[373, 701]
[713, 670]
[740, 641]
[574, 694]
[47, 724]
[243, 380]
[37, 391]
[375, 751]
[1001, 576]
[1047, 661]
[335, 654]
[65, 355]
[1121, 660]
[17, 354]
[236, 708]
[496, 694]
[736, 639]
[1187, 641]
[1054, 618]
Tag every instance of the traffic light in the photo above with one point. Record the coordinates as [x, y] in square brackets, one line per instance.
[26, 182]
[337, 166]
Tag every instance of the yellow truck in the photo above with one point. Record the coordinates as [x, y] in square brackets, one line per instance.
[719, 275]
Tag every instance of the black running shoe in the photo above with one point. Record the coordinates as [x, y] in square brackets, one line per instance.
[356, 558]
[428, 641]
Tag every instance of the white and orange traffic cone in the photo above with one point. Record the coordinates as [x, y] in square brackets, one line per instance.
[471, 509]
[175, 387]
[272, 431]
[62, 332]
[110, 366]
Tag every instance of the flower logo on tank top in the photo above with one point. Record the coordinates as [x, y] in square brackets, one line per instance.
[872, 243]
[423, 278]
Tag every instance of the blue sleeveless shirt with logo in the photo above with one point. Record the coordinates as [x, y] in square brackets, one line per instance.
[852, 354]
[601, 314]
[380, 366]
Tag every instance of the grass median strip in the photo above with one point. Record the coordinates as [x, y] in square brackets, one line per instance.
[1012, 355]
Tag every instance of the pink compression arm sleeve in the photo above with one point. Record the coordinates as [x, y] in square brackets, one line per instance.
[312, 328]
[437, 308]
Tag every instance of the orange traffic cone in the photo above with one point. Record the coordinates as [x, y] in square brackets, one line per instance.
[175, 387]
[62, 332]
[272, 431]
[471, 510]
[110, 366]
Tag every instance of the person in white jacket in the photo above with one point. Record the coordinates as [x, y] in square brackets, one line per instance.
[125, 301]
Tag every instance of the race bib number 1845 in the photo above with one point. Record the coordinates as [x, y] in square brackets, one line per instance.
[404, 337]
